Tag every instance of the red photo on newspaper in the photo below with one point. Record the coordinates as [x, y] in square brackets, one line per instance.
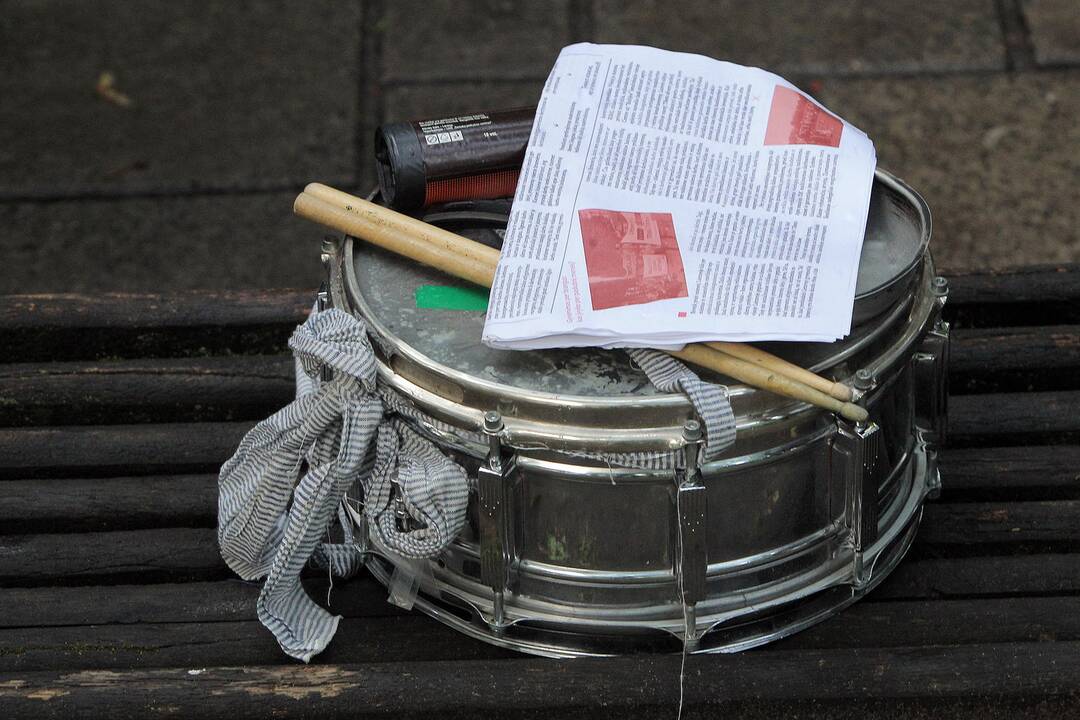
[631, 258]
[795, 120]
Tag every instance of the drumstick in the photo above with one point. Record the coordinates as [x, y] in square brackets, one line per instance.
[778, 365]
[458, 256]
[758, 376]
[419, 229]
[452, 243]
[465, 262]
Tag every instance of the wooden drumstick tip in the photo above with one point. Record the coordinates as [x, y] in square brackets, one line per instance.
[853, 412]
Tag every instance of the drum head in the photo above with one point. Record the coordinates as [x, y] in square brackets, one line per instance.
[386, 285]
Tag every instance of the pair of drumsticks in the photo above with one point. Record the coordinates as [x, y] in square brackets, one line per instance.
[475, 262]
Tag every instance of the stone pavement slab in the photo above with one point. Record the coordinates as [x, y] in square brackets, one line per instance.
[1055, 30]
[157, 244]
[223, 95]
[994, 156]
[414, 102]
[826, 37]
[457, 40]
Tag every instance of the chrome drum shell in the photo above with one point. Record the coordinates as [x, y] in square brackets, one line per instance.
[802, 516]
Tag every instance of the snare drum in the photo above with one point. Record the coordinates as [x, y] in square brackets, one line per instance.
[565, 554]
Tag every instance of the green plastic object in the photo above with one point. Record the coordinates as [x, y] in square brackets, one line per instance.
[444, 297]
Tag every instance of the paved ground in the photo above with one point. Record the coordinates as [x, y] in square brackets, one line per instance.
[234, 107]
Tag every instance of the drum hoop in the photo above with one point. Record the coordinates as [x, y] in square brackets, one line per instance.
[346, 289]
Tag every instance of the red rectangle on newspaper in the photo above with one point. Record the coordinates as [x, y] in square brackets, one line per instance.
[631, 257]
[795, 120]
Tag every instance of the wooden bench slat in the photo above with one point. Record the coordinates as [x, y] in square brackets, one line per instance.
[191, 602]
[965, 577]
[252, 386]
[113, 450]
[154, 501]
[459, 688]
[407, 638]
[1023, 284]
[1014, 418]
[415, 637]
[1020, 468]
[125, 503]
[190, 308]
[166, 555]
[1014, 359]
[362, 596]
[1032, 295]
[171, 554]
[1003, 522]
[233, 599]
[145, 391]
[70, 326]
[975, 420]
[52, 327]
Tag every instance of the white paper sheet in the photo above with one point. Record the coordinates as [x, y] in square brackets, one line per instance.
[669, 198]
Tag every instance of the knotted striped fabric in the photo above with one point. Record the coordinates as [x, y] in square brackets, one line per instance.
[271, 525]
[709, 400]
[351, 431]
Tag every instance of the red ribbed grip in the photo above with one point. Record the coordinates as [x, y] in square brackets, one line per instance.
[485, 186]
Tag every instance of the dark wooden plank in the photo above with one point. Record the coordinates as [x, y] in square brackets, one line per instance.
[1023, 358]
[1011, 467]
[964, 577]
[144, 391]
[229, 600]
[1023, 284]
[534, 687]
[406, 638]
[103, 451]
[78, 327]
[1011, 473]
[1012, 523]
[976, 420]
[169, 554]
[68, 326]
[131, 503]
[418, 638]
[362, 596]
[128, 503]
[1036, 418]
[943, 622]
[244, 387]
[1032, 295]
[166, 555]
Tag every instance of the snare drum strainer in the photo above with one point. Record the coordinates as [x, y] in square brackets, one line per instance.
[564, 555]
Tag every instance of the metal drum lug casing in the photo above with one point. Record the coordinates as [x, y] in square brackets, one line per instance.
[565, 554]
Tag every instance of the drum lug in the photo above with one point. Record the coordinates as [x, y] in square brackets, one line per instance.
[930, 366]
[493, 485]
[933, 473]
[857, 466]
[691, 507]
[324, 299]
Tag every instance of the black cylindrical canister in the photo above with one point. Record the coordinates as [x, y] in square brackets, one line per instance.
[466, 157]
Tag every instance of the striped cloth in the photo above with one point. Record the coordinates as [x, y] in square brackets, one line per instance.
[710, 401]
[271, 525]
[352, 432]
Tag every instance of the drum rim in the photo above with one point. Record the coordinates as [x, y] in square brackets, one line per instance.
[347, 294]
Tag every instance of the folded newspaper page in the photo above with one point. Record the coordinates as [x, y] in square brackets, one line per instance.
[669, 198]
